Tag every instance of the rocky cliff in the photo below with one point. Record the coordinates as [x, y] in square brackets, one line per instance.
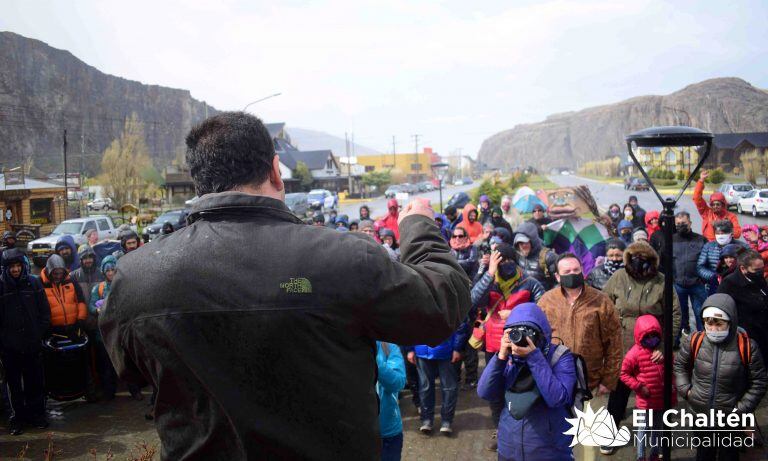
[44, 90]
[722, 105]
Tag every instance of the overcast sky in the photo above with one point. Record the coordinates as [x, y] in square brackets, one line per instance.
[454, 72]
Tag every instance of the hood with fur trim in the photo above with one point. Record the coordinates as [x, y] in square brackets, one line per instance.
[642, 249]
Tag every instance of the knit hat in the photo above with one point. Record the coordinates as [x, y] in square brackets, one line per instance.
[365, 224]
[639, 234]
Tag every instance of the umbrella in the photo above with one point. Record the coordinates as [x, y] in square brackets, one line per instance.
[525, 199]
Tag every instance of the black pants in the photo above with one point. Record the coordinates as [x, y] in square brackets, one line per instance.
[617, 402]
[107, 374]
[412, 378]
[717, 453]
[497, 406]
[26, 385]
[469, 359]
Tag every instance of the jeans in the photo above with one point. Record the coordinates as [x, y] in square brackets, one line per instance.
[469, 359]
[697, 294]
[497, 406]
[26, 392]
[648, 443]
[392, 447]
[428, 372]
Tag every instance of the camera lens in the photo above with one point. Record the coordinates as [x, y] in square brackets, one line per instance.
[517, 336]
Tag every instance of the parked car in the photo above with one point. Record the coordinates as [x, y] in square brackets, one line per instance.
[459, 200]
[426, 186]
[177, 218]
[458, 182]
[410, 188]
[467, 180]
[43, 247]
[637, 184]
[321, 199]
[393, 190]
[754, 201]
[298, 204]
[100, 204]
[734, 192]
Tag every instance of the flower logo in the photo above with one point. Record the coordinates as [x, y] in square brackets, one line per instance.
[596, 429]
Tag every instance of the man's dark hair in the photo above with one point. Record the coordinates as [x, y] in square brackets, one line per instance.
[745, 259]
[450, 210]
[229, 150]
[615, 244]
[566, 256]
[723, 225]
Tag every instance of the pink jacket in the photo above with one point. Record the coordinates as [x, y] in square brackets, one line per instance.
[637, 368]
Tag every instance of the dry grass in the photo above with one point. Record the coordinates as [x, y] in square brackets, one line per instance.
[141, 452]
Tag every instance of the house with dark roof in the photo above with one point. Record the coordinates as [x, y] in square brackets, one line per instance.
[727, 148]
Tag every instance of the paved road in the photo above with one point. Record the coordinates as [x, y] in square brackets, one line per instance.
[606, 194]
[378, 206]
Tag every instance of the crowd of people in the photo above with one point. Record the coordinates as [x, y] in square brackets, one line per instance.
[63, 302]
[610, 318]
[551, 335]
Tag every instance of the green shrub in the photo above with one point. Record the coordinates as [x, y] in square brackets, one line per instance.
[716, 176]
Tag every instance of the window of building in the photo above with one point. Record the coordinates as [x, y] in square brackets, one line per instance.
[41, 211]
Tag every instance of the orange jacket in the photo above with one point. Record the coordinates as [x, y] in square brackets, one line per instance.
[475, 229]
[708, 217]
[66, 301]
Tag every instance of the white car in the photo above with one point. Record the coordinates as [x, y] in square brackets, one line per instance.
[458, 182]
[754, 201]
[100, 204]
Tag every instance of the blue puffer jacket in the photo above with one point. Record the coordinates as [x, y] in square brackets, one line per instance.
[444, 350]
[468, 259]
[539, 435]
[709, 258]
[391, 381]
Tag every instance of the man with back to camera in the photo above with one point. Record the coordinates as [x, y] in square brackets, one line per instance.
[279, 361]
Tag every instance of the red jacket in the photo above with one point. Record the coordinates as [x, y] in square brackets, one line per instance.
[390, 221]
[494, 327]
[648, 228]
[708, 217]
[637, 368]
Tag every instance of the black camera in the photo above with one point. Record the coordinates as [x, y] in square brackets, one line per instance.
[518, 334]
[485, 248]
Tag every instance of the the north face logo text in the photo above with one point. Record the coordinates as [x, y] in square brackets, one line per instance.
[297, 285]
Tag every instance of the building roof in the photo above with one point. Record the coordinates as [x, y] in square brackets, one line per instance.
[732, 140]
[274, 129]
[29, 183]
[314, 159]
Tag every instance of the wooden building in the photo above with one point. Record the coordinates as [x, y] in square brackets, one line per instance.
[32, 205]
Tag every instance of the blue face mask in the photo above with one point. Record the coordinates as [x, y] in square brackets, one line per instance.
[650, 341]
[507, 269]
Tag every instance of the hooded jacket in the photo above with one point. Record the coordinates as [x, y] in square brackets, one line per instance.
[717, 379]
[217, 353]
[532, 264]
[445, 226]
[69, 241]
[391, 380]
[100, 291]
[653, 214]
[390, 221]
[87, 278]
[484, 214]
[708, 217]
[625, 224]
[65, 298]
[25, 315]
[751, 303]
[709, 258]
[500, 221]
[591, 328]
[475, 229]
[759, 245]
[638, 370]
[634, 297]
[540, 434]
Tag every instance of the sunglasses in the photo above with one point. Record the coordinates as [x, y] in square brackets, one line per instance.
[367, 230]
[715, 322]
[458, 236]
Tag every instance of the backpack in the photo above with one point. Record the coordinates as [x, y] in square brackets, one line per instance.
[101, 289]
[745, 348]
[581, 391]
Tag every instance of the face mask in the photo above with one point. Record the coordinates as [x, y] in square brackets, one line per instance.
[764, 238]
[650, 341]
[723, 239]
[614, 214]
[507, 269]
[628, 213]
[572, 280]
[683, 229]
[717, 336]
[613, 266]
[754, 277]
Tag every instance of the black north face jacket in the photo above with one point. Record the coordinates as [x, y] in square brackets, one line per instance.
[258, 330]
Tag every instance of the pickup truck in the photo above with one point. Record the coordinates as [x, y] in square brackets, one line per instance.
[43, 247]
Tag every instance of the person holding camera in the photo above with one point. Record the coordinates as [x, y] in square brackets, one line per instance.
[501, 288]
[536, 386]
[536, 260]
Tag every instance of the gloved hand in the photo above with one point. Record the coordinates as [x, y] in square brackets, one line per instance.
[99, 304]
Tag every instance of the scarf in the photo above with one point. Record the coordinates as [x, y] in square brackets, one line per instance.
[612, 266]
[506, 286]
[458, 246]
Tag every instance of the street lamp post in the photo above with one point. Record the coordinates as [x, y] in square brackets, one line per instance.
[439, 170]
[259, 100]
[669, 136]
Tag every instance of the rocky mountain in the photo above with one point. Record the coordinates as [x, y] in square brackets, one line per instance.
[44, 90]
[721, 105]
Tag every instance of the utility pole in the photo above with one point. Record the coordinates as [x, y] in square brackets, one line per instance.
[66, 189]
[349, 164]
[416, 149]
[394, 153]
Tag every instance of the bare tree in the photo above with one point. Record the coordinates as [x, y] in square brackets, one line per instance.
[124, 161]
